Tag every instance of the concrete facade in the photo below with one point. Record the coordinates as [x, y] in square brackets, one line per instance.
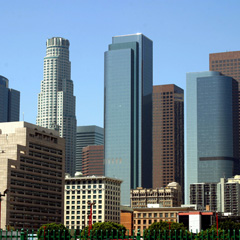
[56, 102]
[103, 191]
[170, 196]
[144, 217]
[32, 162]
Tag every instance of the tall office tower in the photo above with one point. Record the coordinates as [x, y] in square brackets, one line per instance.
[92, 160]
[9, 102]
[128, 112]
[168, 135]
[32, 162]
[56, 102]
[87, 135]
[228, 63]
[211, 128]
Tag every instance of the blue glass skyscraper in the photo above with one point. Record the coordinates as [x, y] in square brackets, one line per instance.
[211, 128]
[128, 112]
[9, 102]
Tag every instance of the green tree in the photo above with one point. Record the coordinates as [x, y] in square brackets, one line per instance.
[163, 227]
[228, 225]
[48, 230]
[107, 228]
[211, 233]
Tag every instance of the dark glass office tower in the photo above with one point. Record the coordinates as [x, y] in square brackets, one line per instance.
[212, 130]
[9, 102]
[128, 112]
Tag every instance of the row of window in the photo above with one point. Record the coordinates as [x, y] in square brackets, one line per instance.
[150, 215]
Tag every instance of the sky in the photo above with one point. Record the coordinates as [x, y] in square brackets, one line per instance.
[183, 32]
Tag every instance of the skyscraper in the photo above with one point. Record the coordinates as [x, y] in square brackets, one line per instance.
[56, 102]
[92, 160]
[228, 63]
[9, 102]
[128, 112]
[87, 135]
[211, 128]
[168, 135]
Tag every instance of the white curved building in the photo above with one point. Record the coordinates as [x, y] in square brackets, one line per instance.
[56, 102]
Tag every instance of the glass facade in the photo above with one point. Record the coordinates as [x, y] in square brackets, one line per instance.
[9, 102]
[211, 140]
[128, 112]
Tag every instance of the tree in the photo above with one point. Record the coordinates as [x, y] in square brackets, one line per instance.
[224, 228]
[48, 229]
[163, 227]
[211, 233]
[106, 228]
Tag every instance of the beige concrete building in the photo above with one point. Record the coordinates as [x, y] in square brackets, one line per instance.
[103, 191]
[170, 196]
[144, 217]
[32, 162]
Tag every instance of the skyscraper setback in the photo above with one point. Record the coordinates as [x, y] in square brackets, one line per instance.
[168, 135]
[56, 102]
[128, 112]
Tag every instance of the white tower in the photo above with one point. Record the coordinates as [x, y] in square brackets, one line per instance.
[56, 102]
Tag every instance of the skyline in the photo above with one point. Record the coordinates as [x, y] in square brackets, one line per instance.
[183, 35]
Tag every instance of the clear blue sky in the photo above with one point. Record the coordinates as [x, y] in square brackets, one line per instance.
[184, 32]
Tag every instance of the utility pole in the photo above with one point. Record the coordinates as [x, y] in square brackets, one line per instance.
[90, 217]
[2, 195]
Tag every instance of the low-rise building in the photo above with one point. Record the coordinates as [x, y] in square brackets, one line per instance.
[204, 194]
[222, 197]
[126, 218]
[144, 217]
[32, 162]
[104, 192]
[170, 196]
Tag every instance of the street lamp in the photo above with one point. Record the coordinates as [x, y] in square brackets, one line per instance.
[2, 195]
[90, 217]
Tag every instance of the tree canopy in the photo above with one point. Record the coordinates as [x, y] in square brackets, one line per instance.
[49, 229]
[164, 226]
[107, 228]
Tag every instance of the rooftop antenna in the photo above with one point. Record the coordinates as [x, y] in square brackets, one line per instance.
[23, 116]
